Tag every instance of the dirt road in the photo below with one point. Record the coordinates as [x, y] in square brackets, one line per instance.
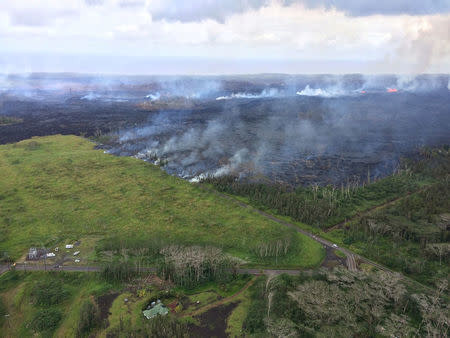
[372, 209]
[221, 301]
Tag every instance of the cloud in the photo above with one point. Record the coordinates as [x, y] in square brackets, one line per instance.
[212, 37]
[131, 3]
[426, 44]
[39, 17]
[38, 14]
[198, 10]
[94, 2]
[383, 7]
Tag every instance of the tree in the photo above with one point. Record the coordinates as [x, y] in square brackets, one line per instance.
[441, 250]
[89, 318]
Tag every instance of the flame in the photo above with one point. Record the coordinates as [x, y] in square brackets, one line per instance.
[392, 90]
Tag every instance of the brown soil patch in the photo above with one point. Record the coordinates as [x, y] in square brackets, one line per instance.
[104, 304]
[213, 323]
[331, 260]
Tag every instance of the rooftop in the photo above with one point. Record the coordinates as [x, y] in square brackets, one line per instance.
[158, 309]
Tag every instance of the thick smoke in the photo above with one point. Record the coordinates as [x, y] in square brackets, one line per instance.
[300, 138]
[108, 88]
[300, 129]
[148, 88]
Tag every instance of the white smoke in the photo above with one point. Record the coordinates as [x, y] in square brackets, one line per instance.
[414, 83]
[233, 165]
[154, 97]
[5, 83]
[265, 135]
[271, 92]
[328, 92]
[91, 96]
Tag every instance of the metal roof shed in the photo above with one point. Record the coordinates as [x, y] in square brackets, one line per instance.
[158, 309]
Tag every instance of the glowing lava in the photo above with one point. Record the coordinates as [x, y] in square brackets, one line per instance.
[392, 90]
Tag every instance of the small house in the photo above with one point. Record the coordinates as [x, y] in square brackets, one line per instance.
[32, 253]
[36, 253]
[158, 309]
[51, 254]
[76, 253]
[69, 246]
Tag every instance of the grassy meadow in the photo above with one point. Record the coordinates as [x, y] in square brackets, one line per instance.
[58, 189]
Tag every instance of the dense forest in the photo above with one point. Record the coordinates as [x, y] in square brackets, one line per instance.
[340, 303]
[324, 206]
[411, 236]
[409, 232]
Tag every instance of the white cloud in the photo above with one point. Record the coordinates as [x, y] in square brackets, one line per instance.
[197, 10]
[290, 32]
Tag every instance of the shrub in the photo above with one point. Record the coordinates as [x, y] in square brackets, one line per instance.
[46, 319]
[254, 321]
[89, 318]
[166, 327]
[118, 271]
[3, 311]
[48, 292]
[33, 145]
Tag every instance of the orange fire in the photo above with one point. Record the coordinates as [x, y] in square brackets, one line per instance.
[392, 90]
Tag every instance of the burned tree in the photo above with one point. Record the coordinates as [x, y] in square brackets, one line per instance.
[189, 266]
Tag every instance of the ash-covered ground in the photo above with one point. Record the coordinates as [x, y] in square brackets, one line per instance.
[295, 129]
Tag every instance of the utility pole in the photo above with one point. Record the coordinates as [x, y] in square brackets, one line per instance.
[45, 257]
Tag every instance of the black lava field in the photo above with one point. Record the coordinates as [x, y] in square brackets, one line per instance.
[293, 129]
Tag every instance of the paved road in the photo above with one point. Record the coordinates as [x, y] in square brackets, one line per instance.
[352, 257]
[322, 241]
[350, 261]
[36, 267]
[3, 268]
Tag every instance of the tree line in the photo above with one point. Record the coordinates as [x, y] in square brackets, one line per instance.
[345, 304]
[314, 205]
[189, 266]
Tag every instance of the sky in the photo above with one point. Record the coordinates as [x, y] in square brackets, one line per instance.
[225, 36]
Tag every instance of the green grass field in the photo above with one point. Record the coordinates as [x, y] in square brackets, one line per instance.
[57, 189]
